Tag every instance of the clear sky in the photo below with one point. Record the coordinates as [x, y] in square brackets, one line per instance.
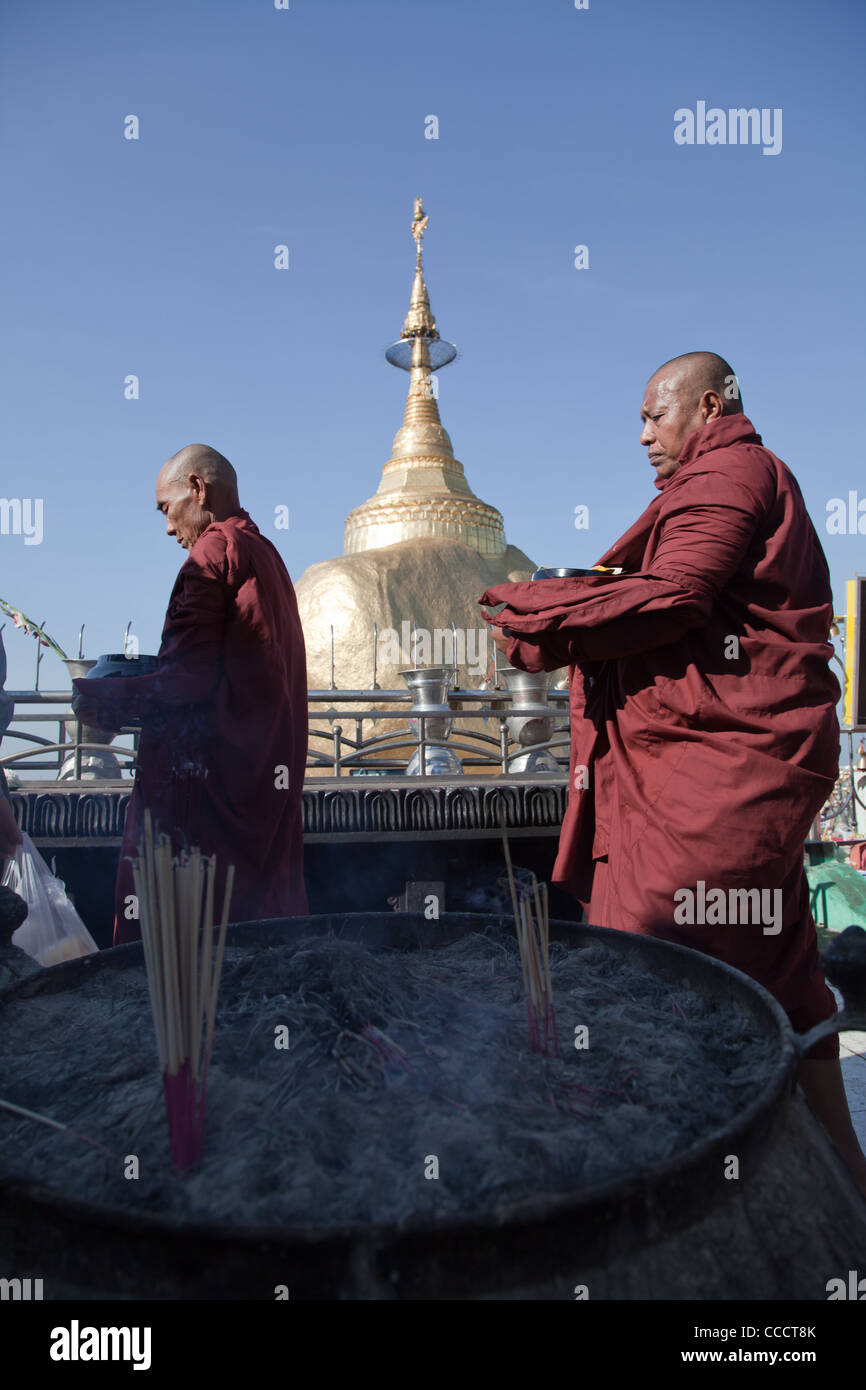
[306, 126]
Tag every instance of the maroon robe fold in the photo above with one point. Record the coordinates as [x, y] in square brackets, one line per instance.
[703, 709]
[224, 739]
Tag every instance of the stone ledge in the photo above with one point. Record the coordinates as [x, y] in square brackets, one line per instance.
[374, 808]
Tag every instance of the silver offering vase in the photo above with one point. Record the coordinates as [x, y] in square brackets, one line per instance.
[429, 686]
[531, 720]
[95, 765]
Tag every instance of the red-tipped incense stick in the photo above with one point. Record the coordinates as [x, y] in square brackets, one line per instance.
[533, 938]
[176, 898]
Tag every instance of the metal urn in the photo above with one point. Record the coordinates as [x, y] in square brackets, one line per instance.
[95, 764]
[429, 686]
[531, 720]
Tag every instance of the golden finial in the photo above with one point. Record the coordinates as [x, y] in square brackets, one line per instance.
[419, 326]
[419, 225]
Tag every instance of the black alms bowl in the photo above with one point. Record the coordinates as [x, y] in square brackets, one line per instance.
[118, 664]
[562, 574]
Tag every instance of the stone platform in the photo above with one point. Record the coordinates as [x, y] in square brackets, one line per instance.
[365, 838]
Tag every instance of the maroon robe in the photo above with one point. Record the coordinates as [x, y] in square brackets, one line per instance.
[224, 739]
[706, 759]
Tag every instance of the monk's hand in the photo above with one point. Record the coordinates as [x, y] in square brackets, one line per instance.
[87, 710]
[10, 835]
[501, 635]
[84, 708]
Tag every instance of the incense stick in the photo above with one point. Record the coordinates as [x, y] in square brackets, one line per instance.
[518, 927]
[533, 940]
[212, 1002]
[53, 1124]
[205, 960]
[176, 898]
[546, 907]
[542, 963]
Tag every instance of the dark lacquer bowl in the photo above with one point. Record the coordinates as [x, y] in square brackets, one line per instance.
[568, 574]
[118, 664]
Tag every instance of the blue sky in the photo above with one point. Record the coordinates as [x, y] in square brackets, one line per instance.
[306, 127]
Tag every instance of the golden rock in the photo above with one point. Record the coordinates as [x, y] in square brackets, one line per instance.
[416, 586]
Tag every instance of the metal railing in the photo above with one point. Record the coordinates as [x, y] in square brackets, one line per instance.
[341, 743]
[50, 756]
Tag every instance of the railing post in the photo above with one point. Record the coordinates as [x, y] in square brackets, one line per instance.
[77, 764]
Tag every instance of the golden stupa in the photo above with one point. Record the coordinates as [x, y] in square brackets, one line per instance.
[420, 552]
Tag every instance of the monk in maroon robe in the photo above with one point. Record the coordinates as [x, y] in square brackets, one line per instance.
[224, 717]
[704, 735]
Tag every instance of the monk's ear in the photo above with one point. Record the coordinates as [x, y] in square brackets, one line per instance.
[198, 488]
[712, 405]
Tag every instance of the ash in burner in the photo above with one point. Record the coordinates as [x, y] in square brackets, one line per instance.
[395, 1059]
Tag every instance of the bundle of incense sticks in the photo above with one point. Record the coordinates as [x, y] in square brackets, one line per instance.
[176, 900]
[533, 939]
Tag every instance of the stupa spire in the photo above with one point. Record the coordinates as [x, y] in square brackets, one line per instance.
[423, 491]
[419, 321]
[421, 419]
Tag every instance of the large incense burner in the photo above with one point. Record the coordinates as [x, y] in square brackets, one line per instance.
[378, 1128]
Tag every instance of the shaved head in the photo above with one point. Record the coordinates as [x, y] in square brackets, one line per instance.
[203, 460]
[196, 487]
[697, 372]
[681, 396]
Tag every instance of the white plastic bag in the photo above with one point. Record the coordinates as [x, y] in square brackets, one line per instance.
[53, 931]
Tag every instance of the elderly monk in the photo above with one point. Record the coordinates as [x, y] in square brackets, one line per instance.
[224, 717]
[704, 736]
